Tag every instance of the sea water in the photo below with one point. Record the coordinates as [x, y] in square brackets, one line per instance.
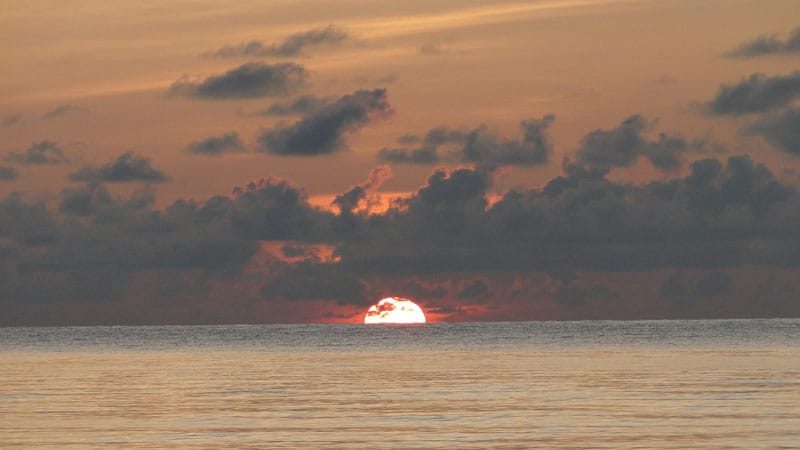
[644, 384]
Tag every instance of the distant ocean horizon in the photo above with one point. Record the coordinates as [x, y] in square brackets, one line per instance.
[723, 383]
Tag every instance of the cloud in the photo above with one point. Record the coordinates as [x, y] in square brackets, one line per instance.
[293, 45]
[95, 200]
[720, 216]
[8, 173]
[250, 80]
[28, 224]
[322, 131]
[781, 130]
[317, 281]
[305, 104]
[582, 221]
[478, 146]
[217, 145]
[128, 167]
[683, 291]
[475, 289]
[12, 120]
[62, 110]
[756, 94]
[767, 45]
[624, 145]
[486, 149]
[359, 196]
[42, 152]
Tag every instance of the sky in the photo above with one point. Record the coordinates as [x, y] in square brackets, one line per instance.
[296, 161]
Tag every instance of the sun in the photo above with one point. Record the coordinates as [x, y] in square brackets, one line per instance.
[394, 310]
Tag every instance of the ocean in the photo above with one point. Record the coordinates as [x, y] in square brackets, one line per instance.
[608, 385]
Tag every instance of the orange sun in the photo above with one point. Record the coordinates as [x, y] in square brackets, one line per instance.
[395, 310]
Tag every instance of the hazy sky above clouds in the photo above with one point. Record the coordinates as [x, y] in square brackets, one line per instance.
[114, 110]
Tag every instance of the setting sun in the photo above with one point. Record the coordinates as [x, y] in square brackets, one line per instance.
[394, 310]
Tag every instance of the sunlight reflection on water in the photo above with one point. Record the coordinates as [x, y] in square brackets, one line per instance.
[664, 384]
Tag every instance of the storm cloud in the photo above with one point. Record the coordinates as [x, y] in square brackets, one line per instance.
[250, 80]
[42, 152]
[478, 146]
[127, 167]
[768, 45]
[217, 145]
[8, 173]
[624, 145]
[757, 93]
[782, 130]
[720, 216]
[322, 131]
[293, 45]
[428, 152]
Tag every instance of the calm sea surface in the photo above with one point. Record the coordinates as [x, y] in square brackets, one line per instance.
[651, 384]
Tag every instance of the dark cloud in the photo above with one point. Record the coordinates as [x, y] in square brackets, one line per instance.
[684, 290]
[359, 196]
[322, 131]
[317, 281]
[781, 130]
[768, 45]
[271, 209]
[478, 146]
[101, 248]
[293, 45]
[27, 224]
[625, 144]
[489, 150]
[62, 110]
[95, 200]
[756, 94]
[305, 104]
[583, 221]
[475, 289]
[217, 145]
[250, 80]
[42, 152]
[8, 173]
[128, 167]
[417, 290]
[12, 120]
[578, 295]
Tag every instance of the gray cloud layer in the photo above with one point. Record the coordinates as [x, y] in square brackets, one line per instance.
[293, 45]
[625, 144]
[781, 130]
[322, 131]
[217, 145]
[8, 173]
[128, 167]
[477, 146]
[99, 246]
[768, 45]
[250, 80]
[756, 94]
[42, 152]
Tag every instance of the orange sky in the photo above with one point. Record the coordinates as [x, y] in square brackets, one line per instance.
[589, 62]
